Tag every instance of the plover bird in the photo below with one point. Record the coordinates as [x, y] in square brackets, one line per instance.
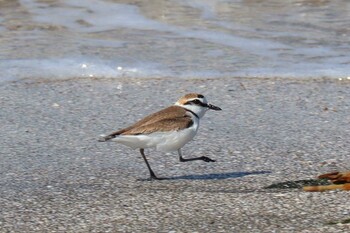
[166, 130]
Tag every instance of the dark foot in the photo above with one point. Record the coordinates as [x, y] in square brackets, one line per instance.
[152, 178]
[157, 178]
[204, 158]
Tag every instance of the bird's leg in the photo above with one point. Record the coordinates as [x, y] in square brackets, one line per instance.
[153, 176]
[204, 158]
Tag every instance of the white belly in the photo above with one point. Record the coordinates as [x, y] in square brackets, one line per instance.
[162, 141]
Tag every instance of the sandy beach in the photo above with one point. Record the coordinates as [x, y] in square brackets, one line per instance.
[56, 176]
[73, 70]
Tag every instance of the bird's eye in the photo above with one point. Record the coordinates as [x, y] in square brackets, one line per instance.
[196, 102]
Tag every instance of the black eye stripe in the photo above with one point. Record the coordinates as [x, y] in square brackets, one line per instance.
[196, 102]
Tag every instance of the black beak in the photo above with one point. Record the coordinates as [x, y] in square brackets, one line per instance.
[213, 107]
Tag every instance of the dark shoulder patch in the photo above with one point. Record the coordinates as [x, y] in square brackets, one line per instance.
[189, 124]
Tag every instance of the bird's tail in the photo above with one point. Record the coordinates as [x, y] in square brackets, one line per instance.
[105, 138]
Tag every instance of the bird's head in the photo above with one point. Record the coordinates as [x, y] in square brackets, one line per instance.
[196, 103]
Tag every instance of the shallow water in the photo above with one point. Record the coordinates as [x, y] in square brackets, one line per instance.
[54, 39]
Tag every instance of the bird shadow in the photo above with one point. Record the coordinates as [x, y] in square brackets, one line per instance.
[214, 176]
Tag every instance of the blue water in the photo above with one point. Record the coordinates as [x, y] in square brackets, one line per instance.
[45, 39]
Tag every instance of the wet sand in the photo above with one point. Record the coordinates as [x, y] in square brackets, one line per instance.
[56, 177]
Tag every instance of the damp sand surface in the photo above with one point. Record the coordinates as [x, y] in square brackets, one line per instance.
[178, 39]
[56, 176]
